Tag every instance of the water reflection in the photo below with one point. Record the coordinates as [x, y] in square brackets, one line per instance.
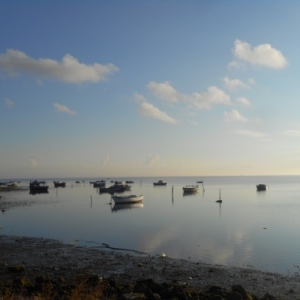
[126, 206]
[32, 192]
[190, 193]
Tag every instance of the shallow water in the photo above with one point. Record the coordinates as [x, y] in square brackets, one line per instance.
[249, 229]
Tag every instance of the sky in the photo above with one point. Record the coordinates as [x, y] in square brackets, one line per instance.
[149, 88]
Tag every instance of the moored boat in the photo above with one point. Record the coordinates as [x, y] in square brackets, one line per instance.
[115, 188]
[99, 183]
[190, 188]
[160, 182]
[59, 183]
[35, 187]
[261, 187]
[128, 199]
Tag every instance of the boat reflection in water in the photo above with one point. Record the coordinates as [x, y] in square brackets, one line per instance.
[126, 206]
[190, 193]
[36, 192]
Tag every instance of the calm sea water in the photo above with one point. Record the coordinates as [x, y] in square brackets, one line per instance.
[249, 229]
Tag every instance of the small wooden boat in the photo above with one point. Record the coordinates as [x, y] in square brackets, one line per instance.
[99, 183]
[35, 187]
[160, 182]
[115, 188]
[261, 187]
[128, 199]
[190, 188]
[59, 184]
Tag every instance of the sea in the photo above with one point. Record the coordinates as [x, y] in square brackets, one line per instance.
[249, 229]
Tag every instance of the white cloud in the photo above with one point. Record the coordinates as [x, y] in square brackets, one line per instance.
[165, 91]
[234, 116]
[214, 96]
[64, 109]
[9, 103]
[244, 101]
[262, 55]
[147, 109]
[69, 70]
[205, 100]
[250, 133]
[234, 84]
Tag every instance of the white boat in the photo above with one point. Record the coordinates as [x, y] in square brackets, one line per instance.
[128, 199]
[190, 188]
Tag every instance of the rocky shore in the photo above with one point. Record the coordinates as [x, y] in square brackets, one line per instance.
[31, 266]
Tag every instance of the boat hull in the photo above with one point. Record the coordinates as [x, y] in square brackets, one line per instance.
[127, 199]
[59, 184]
[160, 182]
[190, 189]
[261, 187]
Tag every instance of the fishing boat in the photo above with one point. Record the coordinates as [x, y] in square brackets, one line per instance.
[127, 199]
[99, 183]
[59, 184]
[35, 187]
[190, 188]
[115, 188]
[160, 182]
[261, 187]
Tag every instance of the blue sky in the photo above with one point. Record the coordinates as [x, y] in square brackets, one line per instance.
[149, 88]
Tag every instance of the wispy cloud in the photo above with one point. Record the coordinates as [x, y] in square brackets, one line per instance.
[165, 91]
[64, 109]
[152, 160]
[234, 116]
[204, 100]
[33, 163]
[213, 96]
[106, 160]
[244, 101]
[292, 133]
[261, 55]
[234, 84]
[68, 70]
[8, 102]
[147, 109]
[139, 98]
[250, 133]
